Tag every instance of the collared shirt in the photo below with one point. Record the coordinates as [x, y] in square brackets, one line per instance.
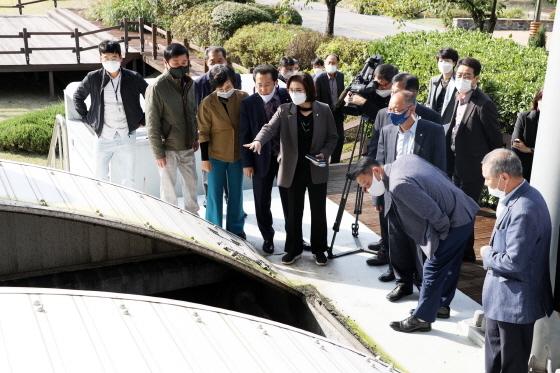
[405, 140]
[334, 89]
[503, 202]
[114, 117]
[463, 101]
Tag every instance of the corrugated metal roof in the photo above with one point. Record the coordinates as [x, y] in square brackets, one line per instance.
[53, 330]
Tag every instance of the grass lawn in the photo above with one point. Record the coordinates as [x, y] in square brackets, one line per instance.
[24, 157]
[41, 8]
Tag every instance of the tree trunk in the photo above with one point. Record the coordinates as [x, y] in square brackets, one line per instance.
[491, 24]
[331, 9]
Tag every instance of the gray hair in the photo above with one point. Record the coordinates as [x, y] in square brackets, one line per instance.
[363, 166]
[503, 161]
[214, 49]
[409, 97]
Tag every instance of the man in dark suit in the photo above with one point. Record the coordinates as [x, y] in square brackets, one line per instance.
[517, 289]
[329, 86]
[408, 82]
[437, 215]
[286, 68]
[442, 93]
[256, 111]
[213, 56]
[473, 133]
[413, 136]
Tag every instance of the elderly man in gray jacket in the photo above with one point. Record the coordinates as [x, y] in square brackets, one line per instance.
[437, 215]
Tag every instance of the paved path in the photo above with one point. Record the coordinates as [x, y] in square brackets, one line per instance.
[351, 25]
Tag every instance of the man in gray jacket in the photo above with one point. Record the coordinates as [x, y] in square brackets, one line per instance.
[172, 127]
[437, 215]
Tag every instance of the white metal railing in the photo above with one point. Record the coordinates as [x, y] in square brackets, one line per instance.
[59, 145]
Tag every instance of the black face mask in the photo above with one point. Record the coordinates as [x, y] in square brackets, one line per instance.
[177, 72]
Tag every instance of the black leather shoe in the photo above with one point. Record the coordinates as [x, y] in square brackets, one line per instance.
[387, 276]
[378, 259]
[306, 246]
[442, 312]
[402, 290]
[469, 256]
[375, 246]
[241, 235]
[411, 324]
[268, 246]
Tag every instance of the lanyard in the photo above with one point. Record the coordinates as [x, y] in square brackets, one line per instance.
[116, 89]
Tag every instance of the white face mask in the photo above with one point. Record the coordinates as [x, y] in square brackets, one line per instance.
[445, 67]
[317, 71]
[268, 97]
[287, 74]
[377, 187]
[383, 92]
[497, 192]
[111, 66]
[298, 98]
[225, 94]
[330, 69]
[463, 85]
[216, 65]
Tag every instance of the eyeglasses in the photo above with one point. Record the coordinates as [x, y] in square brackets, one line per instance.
[383, 85]
[394, 111]
[296, 91]
[110, 59]
[464, 76]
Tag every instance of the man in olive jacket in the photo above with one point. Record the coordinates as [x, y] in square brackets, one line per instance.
[172, 127]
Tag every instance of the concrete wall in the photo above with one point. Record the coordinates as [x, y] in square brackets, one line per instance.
[503, 24]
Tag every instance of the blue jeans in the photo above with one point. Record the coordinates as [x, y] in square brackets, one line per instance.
[235, 222]
[123, 150]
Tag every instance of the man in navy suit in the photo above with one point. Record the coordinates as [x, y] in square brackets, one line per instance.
[436, 214]
[407, 134]
[213, 56]
[517, 289]
[256, 111]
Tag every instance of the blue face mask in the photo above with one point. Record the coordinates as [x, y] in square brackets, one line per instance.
[398, 119]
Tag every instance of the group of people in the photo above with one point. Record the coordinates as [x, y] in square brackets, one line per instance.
[425, 169]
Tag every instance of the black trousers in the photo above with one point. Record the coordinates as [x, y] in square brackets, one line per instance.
[473, 190]
[339, 121]
[403, 253]
[384, 228]
[262, 189]
[507, 346]
[317, 194]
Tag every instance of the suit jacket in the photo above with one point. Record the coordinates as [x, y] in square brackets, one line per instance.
[203, 88]
[517, 286]
[427, 202]
[220, 127]
[383, 120]
[434, 91]
[429, 144]
[479, 133]
[323, 88]
[526, 131]
[253, 118]
[324, 140]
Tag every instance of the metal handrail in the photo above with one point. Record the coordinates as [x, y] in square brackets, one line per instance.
[60, 138]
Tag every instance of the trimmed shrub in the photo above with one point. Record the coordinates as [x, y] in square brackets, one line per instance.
[30, 132]
[304, 45]
[197, 26]
[352, 54]
[514, 12]
[261, 44]
[111, 12]
[287, 16]
[552, 14]
[539, 41]
[232, 16]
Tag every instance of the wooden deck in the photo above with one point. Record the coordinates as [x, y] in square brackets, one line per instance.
[472, 274]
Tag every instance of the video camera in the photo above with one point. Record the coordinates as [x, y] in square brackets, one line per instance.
[363, 84]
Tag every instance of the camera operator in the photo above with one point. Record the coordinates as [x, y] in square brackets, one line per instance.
[373, 102]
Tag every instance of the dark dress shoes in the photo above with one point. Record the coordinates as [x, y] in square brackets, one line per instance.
[442, 312]
[290, 258]
[268, 246]
[411, 324]
[400, 291]
[241, 235]
[387, 276]
[378, 259]
[375, 246]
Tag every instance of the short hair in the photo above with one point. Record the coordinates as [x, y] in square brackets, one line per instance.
[286, 61]
[448, 53]
[409, 97]
[220, 75]
[317, 61]
[214, 49]
[503, 161]
[175, 50]
[110, 46]
[333, 54]
[538, 97]
[385, 71]
[265, 69]
[471, 62]
[363, 167]
[410, 81]
[307, 81]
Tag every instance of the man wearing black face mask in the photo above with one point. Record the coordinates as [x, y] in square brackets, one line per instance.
[172, 127]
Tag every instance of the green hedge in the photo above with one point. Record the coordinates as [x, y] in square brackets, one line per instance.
[303, 47]
[352, 54]
[197, 25]
[287, 16]
[232, 16]
[261, 44]
[30, 132]
[111, 12]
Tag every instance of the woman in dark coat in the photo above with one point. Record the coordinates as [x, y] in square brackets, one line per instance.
[525, 134]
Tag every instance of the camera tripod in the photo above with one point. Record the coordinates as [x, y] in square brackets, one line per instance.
[364, 128]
